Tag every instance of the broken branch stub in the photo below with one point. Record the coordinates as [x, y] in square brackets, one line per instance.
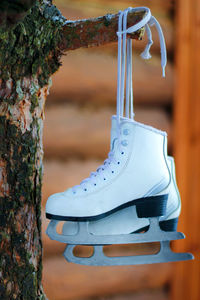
[96, 31]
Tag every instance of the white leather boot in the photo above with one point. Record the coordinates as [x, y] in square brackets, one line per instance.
[135, 172]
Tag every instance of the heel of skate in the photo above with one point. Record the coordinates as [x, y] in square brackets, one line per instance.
[169, 225]
[154, 206]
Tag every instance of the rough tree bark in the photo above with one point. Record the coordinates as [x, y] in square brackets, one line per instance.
[33, 36]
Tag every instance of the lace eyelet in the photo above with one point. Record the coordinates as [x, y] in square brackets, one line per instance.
[126, 131]
[112, 171]
[85, 190]
[104, 179]
[95, 184]
[124, 143]
[122, 153]
[74, 193]
[118, 162]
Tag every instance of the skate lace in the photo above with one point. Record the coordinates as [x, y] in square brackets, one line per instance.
[125, 47]
[147, 21]
[107, 168]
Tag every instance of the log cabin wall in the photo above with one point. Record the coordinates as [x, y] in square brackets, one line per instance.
[76, 141]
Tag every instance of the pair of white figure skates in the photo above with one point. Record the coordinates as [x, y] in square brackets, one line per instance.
[133, 197]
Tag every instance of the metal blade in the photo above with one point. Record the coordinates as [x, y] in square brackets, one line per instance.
[100, 259]
[83, 237]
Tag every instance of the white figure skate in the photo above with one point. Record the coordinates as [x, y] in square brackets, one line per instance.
[120, 226]
[132, 186]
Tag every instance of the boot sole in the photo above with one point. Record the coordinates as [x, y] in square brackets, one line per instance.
[148, 207]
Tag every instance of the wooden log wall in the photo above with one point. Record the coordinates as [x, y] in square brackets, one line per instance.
[76, 140]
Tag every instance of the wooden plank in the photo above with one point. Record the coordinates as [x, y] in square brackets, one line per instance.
[78, 80]
[64, 281]
[105, 5]
[152, 294]
[186, 281]
[72, 131]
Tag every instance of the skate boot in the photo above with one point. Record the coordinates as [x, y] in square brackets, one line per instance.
[134, 190]
[114, 224]
[139, 185]
[123, 222]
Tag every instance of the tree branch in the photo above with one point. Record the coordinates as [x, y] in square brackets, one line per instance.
[97, 31]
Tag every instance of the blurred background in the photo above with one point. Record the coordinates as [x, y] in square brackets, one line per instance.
[76, 141]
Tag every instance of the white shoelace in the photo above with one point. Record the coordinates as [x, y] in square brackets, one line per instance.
[125, 67]
[106, 169]
[146, 22]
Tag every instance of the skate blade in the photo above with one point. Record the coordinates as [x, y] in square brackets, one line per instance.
[83, 237]
[98, 258]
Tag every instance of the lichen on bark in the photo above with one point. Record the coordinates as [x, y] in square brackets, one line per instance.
[31, 48]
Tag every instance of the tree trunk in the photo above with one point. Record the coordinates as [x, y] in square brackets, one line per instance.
[20, 190]
[29, 54]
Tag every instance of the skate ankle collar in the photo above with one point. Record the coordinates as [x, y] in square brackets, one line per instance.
[150, 128]
[124, 120]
